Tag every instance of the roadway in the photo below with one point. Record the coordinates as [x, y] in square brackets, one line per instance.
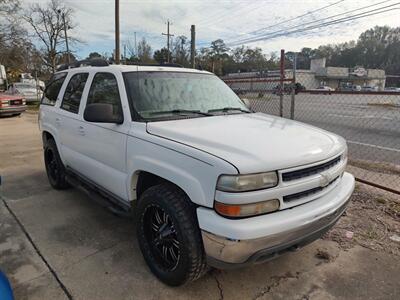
[370, 123]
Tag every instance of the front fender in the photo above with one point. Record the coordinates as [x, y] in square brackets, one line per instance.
[196, 177]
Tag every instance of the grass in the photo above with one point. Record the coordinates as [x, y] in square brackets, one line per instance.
[33, 107]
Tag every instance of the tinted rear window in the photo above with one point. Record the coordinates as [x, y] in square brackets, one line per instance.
[73, 92]
[53, 89]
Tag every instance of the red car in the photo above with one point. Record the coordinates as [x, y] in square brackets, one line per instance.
[11, 105]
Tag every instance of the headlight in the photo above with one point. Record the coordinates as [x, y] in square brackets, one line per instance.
[246, 210]
[243, 183]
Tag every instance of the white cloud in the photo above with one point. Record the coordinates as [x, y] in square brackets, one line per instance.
[226, 19]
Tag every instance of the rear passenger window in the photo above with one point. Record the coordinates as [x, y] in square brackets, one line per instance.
[104, 89]
[53, 88]
[73, 92]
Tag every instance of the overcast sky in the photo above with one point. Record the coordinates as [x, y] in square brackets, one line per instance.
[230, 20]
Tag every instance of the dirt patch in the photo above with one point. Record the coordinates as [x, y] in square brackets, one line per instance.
[324, 255]
[384, 104]
[378, 167]
[372, 220]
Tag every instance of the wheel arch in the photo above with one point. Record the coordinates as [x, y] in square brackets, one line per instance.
[46, 135]
[144, 178]
[49, 133]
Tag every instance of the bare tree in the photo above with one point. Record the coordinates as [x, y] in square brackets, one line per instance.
[144, 51]
[181, 50]
[9, 25]
[130, 48]
[16, 51]
[48, 25]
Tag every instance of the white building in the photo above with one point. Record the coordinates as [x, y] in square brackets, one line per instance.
[318, 74]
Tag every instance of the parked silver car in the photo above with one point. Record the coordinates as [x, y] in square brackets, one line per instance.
[392, 89]
[30, 92]
[369, 88]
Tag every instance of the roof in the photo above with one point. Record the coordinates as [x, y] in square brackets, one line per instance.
[134, 68]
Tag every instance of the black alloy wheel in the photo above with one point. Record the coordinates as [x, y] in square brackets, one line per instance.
[161, 235]
[169, 235]
[51, 163]
[54, 166]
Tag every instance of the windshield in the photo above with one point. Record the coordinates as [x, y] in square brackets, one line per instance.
[25, 86]
[156, 95]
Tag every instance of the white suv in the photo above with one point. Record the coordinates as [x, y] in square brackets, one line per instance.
[209, 181]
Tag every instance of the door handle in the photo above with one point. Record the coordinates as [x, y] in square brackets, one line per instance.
[81, 130]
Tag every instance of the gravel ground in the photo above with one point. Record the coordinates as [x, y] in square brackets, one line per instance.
[373, 220]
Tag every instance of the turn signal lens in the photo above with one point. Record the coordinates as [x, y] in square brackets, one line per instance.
[246, 210]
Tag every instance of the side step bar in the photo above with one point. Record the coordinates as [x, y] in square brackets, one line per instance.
[101, 197]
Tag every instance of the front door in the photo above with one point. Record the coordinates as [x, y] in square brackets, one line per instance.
[103, 145]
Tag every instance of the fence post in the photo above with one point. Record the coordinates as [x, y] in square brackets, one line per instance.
[282, 76]
[294, 86]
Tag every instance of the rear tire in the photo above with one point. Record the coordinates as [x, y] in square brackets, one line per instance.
[169, 235]
[54, 166]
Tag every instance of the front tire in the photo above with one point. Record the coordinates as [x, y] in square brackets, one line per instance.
[54, 166]
[169, 235]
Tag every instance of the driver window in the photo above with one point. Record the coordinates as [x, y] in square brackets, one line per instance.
[104, 89]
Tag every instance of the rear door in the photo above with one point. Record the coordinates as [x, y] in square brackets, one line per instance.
[49, 119]
[69, 117]
[101, 147]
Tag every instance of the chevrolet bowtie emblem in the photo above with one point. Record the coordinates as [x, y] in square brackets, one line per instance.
[324, 180]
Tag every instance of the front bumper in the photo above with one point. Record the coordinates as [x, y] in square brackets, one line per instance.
[233, 243]
[12, 110]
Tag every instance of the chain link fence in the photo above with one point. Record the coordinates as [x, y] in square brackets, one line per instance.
[369, 119]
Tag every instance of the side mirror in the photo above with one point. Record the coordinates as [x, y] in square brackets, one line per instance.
[101, 113]
[247, 103]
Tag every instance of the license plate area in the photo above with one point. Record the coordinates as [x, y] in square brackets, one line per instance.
[16, 102]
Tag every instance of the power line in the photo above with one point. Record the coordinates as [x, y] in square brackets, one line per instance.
[231, 15]
[315, 21]
[333, 22]
[266, 35]
[261, 29]
[218, 15]
[295, 18]
[318, 26]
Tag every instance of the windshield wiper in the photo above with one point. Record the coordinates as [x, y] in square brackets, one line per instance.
[226, 109]
[181, 111]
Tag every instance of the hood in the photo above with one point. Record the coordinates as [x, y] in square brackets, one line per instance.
[27, 92]
[254, 142]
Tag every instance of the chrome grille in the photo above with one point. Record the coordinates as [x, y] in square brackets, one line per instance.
[293, 175]
[309, 192]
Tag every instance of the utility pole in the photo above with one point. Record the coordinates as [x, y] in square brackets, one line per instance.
[281, 85]
[125, 54]
[66, 39]
[168, 36]
[66, 36]
[192, 46]
[136, 54]
[294, 86]
[117, 49]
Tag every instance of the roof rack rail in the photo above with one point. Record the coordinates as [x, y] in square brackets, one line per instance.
[172, 65]
[94, 62]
